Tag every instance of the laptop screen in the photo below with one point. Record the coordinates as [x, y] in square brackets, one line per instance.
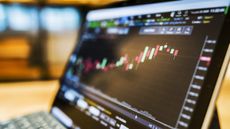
[141, 66]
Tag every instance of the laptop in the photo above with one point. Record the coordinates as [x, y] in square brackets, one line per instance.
[149, 66]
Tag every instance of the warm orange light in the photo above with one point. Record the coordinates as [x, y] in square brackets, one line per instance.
[90, 2]
[19, 1]
[74, 2]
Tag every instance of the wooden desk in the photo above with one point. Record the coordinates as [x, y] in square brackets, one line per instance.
[223, 102]
[17, 99]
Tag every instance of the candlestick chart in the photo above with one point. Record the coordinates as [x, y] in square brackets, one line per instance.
[126, 62]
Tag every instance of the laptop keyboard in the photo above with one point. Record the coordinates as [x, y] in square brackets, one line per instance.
[40, 120]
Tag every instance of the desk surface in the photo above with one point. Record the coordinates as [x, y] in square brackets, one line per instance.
[18, 99]
[15, 98]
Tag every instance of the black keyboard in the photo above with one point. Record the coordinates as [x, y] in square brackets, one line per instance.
[40, 120]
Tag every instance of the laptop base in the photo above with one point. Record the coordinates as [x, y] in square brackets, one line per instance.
[39, 120]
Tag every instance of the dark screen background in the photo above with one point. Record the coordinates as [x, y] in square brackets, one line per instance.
[157, 86]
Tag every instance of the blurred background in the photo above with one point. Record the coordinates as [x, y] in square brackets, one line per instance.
[34, 40]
